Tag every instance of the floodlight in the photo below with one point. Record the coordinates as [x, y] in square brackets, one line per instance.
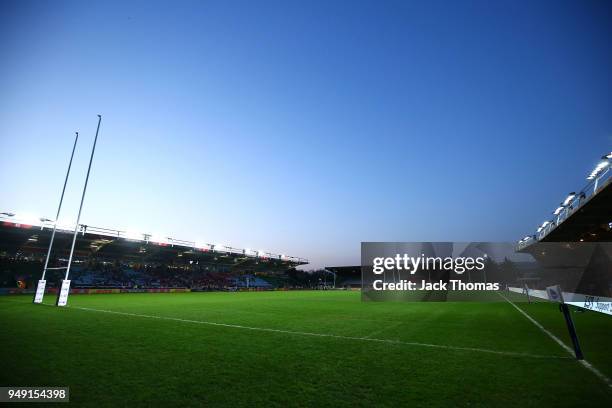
[598, 169]
[63, 223]
[569, 199]
[544, 224]
[133, 236]
[220, 248]
[27, 218]
[202, 245]
[607, 156]
[558, 210]
[158, 239]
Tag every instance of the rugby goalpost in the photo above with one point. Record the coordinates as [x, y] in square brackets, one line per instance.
[62, 296]
[42, 283]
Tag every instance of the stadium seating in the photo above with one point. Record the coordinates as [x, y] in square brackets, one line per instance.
[87, 273]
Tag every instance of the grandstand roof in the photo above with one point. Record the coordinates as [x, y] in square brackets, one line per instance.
[583, 216]
[33, 236]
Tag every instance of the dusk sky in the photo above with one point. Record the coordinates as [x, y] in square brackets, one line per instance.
[304, 128]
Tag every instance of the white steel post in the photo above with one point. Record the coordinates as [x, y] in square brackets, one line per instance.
[62, 298]
[42, 283]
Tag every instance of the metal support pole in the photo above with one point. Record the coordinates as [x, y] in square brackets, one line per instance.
[555, 294]
[572, 331]
[66, 284]
[59, 207]
[40, 291]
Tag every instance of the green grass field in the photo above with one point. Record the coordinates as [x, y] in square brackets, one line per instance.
[299, 349]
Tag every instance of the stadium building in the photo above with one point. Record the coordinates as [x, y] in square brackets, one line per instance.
[107, 259]
[582, 216]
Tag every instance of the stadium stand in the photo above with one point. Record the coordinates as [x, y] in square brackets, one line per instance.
[116, 275]
[583, 216]
[111, 259]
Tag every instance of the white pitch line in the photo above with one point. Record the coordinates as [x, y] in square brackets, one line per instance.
[565, 347]
[382, 330]
[300, 333]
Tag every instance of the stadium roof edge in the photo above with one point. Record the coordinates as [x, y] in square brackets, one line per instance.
[28, 220]
[599, 181]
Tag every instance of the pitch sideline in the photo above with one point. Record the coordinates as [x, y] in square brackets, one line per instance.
[565, 347]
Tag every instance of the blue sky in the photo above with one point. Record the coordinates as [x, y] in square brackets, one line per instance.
[305, 127]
